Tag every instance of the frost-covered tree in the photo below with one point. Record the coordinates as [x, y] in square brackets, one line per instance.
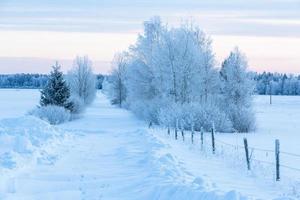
[174, 63]
[81, 80]
[141, 67]
[56, 92]
[118, 77]
[171, 66]
[237, 89]
[169, 76]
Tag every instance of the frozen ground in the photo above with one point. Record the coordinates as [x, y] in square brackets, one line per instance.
[109, 154]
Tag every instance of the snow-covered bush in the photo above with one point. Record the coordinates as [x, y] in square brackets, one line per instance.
[206, 116]
[52, 114]
[82, 81]
[195, 115]
[78, 105]
[146, 110]
[167, 116]
[243, 119]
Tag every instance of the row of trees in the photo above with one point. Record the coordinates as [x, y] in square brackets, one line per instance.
[64, 97]
[23, 80]
[169, 77]
[277, 84]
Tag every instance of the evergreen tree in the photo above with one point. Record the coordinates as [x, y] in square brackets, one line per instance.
[56, 91]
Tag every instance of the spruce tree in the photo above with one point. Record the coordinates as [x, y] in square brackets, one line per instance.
[56, 91]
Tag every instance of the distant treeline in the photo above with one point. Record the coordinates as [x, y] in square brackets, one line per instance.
[277, 84]
[266, 82]
[23, 80]
[32, 81]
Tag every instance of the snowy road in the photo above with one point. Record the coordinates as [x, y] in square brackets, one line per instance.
[113, 156]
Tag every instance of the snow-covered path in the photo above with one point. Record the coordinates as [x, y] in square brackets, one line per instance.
[114, 156]
[111, 158]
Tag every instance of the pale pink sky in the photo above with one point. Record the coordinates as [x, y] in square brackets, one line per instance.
[33, 34]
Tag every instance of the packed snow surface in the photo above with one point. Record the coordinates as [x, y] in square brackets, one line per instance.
[109, 154]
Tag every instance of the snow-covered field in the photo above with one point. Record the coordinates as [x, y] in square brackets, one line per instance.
[109, 154]
[16, 103]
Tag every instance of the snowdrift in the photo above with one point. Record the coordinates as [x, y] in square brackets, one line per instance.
[24, 142]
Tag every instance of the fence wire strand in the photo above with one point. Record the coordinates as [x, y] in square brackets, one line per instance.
[290, 154]
[291, 168]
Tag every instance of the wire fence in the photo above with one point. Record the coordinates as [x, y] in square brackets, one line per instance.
[267, 152]
[252, 155]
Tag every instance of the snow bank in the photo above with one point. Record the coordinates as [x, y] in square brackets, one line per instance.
[178, 182]
[23, 135]
[25, 141]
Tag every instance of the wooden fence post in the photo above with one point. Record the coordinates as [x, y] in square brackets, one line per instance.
[150, 124]
[247, 153]
[213, 140]
[176, 127]
[168, 129]
[201, 132]
[192, 133]
[182, 131]
[277, 151]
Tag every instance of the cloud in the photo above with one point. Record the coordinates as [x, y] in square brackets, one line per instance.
[63, 45]
[233, 17]
[267, 30]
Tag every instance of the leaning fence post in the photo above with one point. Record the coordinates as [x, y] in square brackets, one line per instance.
[176, 127]
[247, 153]
[277, 151]
[213, 139]
[201, 132]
